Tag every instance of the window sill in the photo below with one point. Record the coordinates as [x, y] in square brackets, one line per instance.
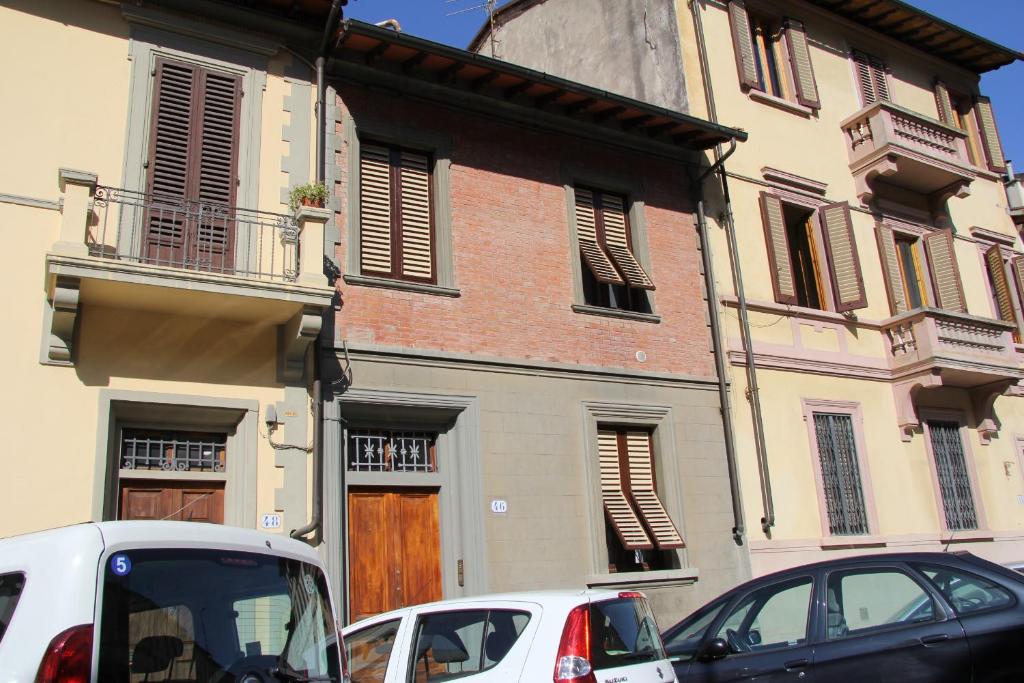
[586, 309]
[385, 283]
[967, 536]
[838, 542]
[779, 103]
[652, 579]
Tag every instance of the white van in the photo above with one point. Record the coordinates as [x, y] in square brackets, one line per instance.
[121, 602]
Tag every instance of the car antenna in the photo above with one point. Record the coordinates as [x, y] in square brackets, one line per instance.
[949, 540]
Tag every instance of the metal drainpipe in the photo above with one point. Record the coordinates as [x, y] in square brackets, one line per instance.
[753, 395]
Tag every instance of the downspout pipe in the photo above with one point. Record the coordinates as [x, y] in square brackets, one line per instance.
[753, 393]
[717, 346]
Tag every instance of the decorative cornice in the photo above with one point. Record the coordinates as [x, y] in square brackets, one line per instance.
[812, 366]
[34, 202]
[177, 24]
[809, 314]
[793, 181]
[991, 236]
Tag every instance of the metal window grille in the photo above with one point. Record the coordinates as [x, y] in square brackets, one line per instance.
[173, 451]
[386, 451]
[840, 474]
[954, 482]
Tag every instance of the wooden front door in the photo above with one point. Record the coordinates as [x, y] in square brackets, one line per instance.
[186, 501]
[394, 546]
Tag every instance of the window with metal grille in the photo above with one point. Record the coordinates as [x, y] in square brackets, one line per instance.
[173, 451]
[840, 474]
[374, 450]
[951, 472]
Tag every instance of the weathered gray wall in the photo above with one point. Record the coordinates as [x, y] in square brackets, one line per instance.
[628, 47]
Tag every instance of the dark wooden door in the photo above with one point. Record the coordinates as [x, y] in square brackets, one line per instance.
[179, 501]
[394, 550]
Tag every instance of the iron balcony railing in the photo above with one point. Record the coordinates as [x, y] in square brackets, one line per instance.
[193, 235]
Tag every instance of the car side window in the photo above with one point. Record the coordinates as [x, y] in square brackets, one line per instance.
[770, 618]
[862, 600]
[11, 586]
[369, 650]
[966, 592]
[681, 640]
[451, 645]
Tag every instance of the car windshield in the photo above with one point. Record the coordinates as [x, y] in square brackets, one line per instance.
[623, 632]
[211, 616]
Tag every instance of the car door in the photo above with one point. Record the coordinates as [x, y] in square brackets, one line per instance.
[767, 630]
[883, 623]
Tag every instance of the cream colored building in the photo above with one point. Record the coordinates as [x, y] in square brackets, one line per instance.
[874, 345]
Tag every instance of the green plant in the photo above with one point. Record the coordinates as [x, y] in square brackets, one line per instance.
[309, 194]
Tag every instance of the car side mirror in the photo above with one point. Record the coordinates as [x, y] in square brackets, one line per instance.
[716, 648]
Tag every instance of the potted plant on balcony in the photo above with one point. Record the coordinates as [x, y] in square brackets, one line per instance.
[309, 194]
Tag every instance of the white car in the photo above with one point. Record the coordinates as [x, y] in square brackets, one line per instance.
[591, 636]
[164, 601]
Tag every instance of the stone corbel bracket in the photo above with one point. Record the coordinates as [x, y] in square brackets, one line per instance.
[983, 400]
[294, 338]
[64, 306]
[905, 394]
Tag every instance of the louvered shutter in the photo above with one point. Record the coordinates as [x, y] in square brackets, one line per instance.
[586, 234]
[218, 168]
[944, 104]
[891, 269]
[1017, 269]
[847, 280]
[1000, 283]
[743, 44]
[416, 233]
[641, 487]
[878, 76]
[871, 78]
[620, 513]
[945, 274]
[778, 249]
[375, 209]
[803, 71]
[990, 135]
[612, 215]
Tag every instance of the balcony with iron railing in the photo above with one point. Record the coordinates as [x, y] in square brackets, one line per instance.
[894, 145]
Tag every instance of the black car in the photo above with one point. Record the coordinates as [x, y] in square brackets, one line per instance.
[902, 617]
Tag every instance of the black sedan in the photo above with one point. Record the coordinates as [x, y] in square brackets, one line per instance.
[909, 618]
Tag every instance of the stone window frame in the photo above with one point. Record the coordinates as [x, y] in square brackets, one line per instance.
[124, 409]
[439, 147]
[635, 191]
[983, 531]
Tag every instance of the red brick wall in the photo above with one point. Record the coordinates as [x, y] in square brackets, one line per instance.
[512, 256]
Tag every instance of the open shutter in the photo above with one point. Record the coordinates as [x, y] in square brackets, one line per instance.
[803, 72]
[778, 249]
[641, 487]
[586, 235]
[871, 78]
[620, 513]
[847, 279]
[880, 80]
[375, 209]
[891, 269]
[945, 275]
[417, 238]
[1000, 283]
[944, 104]
[612, 215]
[990, 135]
[218, 168]
[743, 44]
[1017, 271]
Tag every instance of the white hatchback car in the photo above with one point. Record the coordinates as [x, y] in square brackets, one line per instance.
[120, 602]
[591, 636]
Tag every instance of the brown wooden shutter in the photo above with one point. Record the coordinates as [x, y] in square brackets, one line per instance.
[417, 238]
[218, 168]
[586, 234]
[945, 275]
[990, 134]
[841, 246]
[1000, 283]
[641, 487]
[803, 71]
[871, 78]
[944, 104]
[620, 513]
[375, 209]
[1017, 269]
[881, 81]
[891, 269]
[743, 44]
[781, 267]
[612, 215]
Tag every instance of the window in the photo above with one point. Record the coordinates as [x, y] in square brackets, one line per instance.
[374, 450]
[864, 600]
[636, 524]
[871, 78]
[911, 278]
[806, 244]
[623, 632]
[172, 450]
[966, 592]
[902, 265]
[975, 117]
[396, 222]
[840, 474]
[369, 651]
[11, 586]
[951, 473]
[1005, 278]
[612, 275]
[262, 623]
[772, 55]
[682, 640]
[770, 618]
[451, 645]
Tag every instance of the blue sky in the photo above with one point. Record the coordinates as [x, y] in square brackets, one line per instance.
[1002, 21]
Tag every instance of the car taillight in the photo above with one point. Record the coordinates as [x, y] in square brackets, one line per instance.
[632, 595]
[68, 657]
[572, 663]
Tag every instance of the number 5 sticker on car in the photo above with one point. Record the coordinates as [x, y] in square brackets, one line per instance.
[120, 564]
